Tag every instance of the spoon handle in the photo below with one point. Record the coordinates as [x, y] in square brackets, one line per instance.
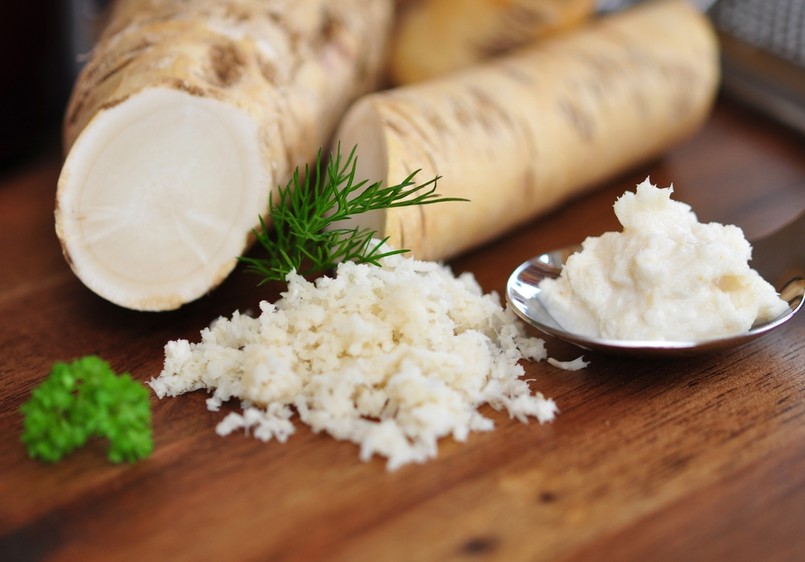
[780, 256]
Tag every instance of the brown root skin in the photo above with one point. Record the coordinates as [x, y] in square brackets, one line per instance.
[519, 135]
[435, 37]
[271, 77]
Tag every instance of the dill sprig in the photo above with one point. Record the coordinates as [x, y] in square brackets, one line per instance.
[303, 231]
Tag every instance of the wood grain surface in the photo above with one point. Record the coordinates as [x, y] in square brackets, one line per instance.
[692, 459]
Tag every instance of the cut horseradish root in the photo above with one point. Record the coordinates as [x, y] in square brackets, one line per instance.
[157, 196]
[523, 133]
[185, 118]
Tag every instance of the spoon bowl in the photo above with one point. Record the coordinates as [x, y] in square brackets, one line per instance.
[787, 276]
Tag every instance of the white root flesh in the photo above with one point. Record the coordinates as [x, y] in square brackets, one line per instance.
[185, 118]
[519, 135]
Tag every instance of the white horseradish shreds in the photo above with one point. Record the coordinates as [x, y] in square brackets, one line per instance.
[392, 358]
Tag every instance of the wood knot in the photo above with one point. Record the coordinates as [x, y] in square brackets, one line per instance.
[548, 497]
[480, 545]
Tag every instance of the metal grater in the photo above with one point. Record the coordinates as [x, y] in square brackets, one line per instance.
[762, 52]
[763, 55]
[774, 26]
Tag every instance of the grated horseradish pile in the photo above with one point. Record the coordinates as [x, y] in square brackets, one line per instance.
[391, 358]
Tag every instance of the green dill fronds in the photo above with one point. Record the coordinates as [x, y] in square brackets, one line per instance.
[85, 399]
[303, 232]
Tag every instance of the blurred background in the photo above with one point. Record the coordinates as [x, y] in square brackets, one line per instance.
[44, 42]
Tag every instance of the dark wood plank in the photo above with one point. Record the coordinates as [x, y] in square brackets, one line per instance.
[696, 459]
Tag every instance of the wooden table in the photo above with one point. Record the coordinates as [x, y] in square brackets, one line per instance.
[691, 459]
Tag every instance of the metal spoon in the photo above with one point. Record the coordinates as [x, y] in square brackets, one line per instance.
[779, 258]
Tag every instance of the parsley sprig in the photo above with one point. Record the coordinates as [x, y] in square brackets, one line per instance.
[303, 232]
[85, 399]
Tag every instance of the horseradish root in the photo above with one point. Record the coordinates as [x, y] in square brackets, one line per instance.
[518, 135]
[185, 118]
[434, 37]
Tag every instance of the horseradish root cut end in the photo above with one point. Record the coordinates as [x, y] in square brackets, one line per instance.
[186, 116]
[157, 195]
